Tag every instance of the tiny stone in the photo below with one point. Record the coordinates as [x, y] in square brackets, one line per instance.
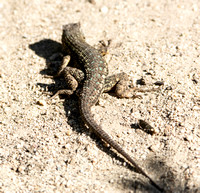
[69, 132]
[143, 156]
[104, 9]
[67, 146]
[141, 81]
[41, 103]
[124, 164]
[159, 83]
[154, 148]
[118, 135]
[56, 136]
[2, 75]
[146, 127]
[101, 102]
[92, 2]
[196, 108]
[19, 145]
[106, 144]
[21, 169]
[94, 160]
[188, 138]
[195, 7]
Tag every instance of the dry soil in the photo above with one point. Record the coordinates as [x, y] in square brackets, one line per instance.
[45, 148]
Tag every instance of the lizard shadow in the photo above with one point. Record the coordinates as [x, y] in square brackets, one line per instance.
[46, 48]
[169, 178]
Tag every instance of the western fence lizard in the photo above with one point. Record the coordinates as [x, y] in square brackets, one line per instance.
[91, 69]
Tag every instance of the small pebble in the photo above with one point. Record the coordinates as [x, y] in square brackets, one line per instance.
[196, 108]
[69, 132]
[41, 103]
[2, 75]
[104, 9]
[159, 83]
[141, 81]
[188, 138]
[92, 2]
[154, 147]
[21, 169]
[146, 127]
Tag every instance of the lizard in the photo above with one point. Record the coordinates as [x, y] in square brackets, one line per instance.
[91, 70]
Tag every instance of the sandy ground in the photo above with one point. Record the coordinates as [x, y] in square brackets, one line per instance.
[45, 148]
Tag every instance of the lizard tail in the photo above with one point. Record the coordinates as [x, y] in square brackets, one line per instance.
[87, 117]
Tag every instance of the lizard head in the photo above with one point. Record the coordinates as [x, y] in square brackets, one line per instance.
[72, 31]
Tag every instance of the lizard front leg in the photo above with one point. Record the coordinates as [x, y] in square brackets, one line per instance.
[121, 84]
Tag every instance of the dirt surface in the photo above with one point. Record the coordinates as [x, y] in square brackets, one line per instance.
[45, 148]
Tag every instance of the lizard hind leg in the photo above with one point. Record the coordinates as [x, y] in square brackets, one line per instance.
[73, 77]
